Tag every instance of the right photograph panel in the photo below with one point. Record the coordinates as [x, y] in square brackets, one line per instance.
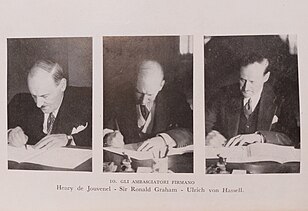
[252, 112]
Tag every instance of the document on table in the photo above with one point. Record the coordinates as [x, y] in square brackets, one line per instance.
[62, 157]
[255, 153]
[131, 151]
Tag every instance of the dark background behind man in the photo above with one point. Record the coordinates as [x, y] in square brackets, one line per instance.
[73, 54]
[222, 55]
[123, 54]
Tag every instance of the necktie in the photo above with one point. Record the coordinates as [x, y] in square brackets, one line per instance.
[248, 108]
[144, 111]
[51, 119]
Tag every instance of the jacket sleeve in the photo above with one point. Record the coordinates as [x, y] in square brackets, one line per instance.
[16, 110]
[182, 122]
[276, 138]
[84, 137]
[286, 131]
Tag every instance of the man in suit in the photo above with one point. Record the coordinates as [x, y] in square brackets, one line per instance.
[149, 113]
[249, 111]
[52, 115]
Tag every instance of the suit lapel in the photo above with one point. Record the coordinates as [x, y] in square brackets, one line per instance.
[35, 122]
[64, 117]
[233, 115]
[160, 115]
[267, 108]
[127, 117]
[62, 114]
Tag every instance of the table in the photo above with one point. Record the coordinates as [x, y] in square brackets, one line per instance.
[257, 158]
[176, 163]
[262, 167]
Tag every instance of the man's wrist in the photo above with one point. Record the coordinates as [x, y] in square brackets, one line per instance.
[167, 139]
[262, 138]
[70, 140]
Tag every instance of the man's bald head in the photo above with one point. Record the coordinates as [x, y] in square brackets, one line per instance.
[150, 68]
[150, 81]
[54, 69]
[47, 84]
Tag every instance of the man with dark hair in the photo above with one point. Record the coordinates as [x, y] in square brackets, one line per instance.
[52, 115]
[249, 111]
[149, 113]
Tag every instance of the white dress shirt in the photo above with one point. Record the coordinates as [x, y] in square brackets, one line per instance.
[147, 125]
[254, 100]
[46, 119]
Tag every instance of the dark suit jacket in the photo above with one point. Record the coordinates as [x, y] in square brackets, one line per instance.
[75, 110]
[223, 114]
[172, 116]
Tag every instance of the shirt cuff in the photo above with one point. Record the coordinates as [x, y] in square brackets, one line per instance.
[71, 141]
[168, 140]
[262, 137]
[106, 131]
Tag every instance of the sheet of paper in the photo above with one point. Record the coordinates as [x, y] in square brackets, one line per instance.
[273, 152]
[131, 151]
[22, 154]
[59, 157]
[255, 153]
[63, 157]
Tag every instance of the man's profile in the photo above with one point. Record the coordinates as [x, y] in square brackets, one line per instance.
[148, 113]
[248, 111]
[52, 114]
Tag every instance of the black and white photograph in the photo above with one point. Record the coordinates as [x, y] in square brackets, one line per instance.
[252, 112]
[148, 104]
[49, 95]
[139, 105]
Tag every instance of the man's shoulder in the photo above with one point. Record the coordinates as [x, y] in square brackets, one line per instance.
[22, 99]
[78, 98]
[226, 93]
[270, 95]
[173, 99]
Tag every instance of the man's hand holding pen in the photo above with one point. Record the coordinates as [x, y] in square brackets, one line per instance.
[114, 139]
[17, 137]
[215, 139]
[156, 145]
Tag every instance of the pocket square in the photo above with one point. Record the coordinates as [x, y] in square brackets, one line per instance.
[79, 129]
[275, 119]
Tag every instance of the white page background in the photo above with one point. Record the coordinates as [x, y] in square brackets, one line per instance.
[34, 190]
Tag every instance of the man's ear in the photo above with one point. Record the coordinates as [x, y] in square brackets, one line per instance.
[265, 62]
[266, 76]
[162, 83]
[63, 84]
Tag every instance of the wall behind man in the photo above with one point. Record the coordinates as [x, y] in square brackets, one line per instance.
[122, 55]
[73, 54]
[223, 53]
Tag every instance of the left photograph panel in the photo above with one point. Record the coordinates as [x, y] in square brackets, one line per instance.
[49, 98]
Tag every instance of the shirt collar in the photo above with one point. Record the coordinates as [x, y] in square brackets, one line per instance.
[55, 113]
[254, 99]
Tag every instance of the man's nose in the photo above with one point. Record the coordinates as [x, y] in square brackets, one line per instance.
[144, 99]
[246, 85]
[39, 102]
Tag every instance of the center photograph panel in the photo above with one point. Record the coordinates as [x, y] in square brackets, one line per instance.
[148, 104]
